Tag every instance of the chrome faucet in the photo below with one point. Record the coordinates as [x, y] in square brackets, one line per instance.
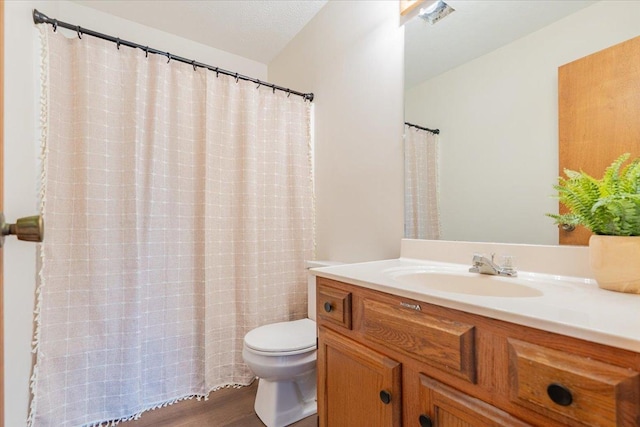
[484, 265]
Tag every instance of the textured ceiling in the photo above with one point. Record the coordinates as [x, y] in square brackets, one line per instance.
[474, 29]
[254, 29]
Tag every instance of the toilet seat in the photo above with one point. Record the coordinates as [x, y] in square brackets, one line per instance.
[284, 338]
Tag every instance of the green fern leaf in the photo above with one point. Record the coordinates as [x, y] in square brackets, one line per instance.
[609, 206]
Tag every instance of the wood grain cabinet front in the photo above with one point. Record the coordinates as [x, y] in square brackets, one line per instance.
[333, 304]
[444, 406]
[356, 386]
[443, 343]
[387, 361]
[575, 390]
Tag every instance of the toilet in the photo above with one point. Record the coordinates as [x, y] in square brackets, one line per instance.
[283, 357]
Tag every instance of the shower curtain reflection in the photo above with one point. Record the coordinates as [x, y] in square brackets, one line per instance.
[421, 211]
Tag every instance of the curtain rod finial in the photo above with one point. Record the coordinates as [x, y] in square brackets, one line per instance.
[39, 17]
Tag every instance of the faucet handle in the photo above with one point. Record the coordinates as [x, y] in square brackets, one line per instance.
[508, 263]
[476, 262]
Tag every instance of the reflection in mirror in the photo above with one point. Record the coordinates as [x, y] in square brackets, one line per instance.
[486, 76]
[421, 211]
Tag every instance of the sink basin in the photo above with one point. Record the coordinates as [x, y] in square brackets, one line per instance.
[460, 282]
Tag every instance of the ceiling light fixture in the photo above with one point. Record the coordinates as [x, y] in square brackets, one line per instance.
[435, 12]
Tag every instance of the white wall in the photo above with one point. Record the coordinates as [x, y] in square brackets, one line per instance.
[21, 114]
[351, 57]
[498, 117]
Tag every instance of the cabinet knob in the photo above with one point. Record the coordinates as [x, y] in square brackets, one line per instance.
[328, 307]
[425, 421]
[385, 396]
[560, 394]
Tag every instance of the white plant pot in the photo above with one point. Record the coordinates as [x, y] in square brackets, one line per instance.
[615, 262]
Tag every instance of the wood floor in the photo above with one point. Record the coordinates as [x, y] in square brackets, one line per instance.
[229, 407]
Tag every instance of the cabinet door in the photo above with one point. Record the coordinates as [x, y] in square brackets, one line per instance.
[444, 406]
[356, 385]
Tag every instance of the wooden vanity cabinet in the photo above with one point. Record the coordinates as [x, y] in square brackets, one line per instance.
[446, 406]
[399, 362]
[361, 387]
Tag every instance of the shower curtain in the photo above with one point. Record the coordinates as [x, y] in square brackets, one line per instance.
[421, 207]
[178, 212]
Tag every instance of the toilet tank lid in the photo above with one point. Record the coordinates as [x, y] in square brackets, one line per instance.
[283, 336]
[321, 263]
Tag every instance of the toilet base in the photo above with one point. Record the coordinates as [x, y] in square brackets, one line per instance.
[280, 403]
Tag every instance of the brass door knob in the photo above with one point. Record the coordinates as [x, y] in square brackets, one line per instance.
[30, 229]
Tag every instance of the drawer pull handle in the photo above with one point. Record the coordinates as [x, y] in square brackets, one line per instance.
[560, 394]
[425, 421]
[385, 396]
[328, 307]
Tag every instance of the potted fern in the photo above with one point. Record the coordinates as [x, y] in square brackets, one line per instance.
[610, 208]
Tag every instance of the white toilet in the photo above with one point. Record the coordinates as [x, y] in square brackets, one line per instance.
[283, 356]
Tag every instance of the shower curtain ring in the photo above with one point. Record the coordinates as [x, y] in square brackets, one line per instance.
[79, 31]
[217, 71]
[118, 43]
[146, 52]
[194, 64]
[273, 88]
[259, 84]
[288, 92]
[236, 77]
[168, 56]
[55, 25]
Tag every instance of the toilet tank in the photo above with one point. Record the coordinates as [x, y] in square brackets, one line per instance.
[311, 285]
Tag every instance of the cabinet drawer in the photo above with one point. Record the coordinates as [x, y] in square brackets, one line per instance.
[334, 305]
[442, 405]
[441, 343]
[575, 390]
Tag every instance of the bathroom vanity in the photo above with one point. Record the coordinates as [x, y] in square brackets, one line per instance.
[395, 349]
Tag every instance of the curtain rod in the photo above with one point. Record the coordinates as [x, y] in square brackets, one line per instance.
[41, 18]
[434, 131]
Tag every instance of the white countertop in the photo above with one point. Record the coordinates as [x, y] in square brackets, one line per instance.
[571, 306]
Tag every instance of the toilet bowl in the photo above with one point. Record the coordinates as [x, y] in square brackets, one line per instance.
[283, 357]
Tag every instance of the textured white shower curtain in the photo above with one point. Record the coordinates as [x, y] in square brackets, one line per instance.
[178, 212]
[421, 205]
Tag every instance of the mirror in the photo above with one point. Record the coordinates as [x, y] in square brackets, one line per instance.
[486, 77]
